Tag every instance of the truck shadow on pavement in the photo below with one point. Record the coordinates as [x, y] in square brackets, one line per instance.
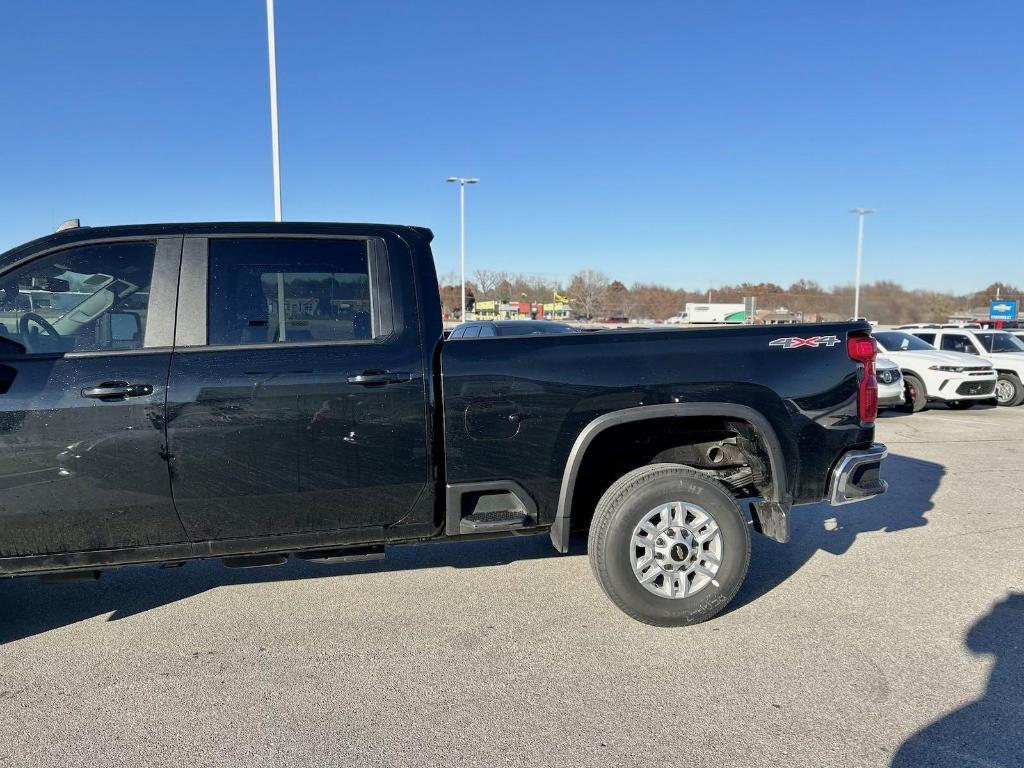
[29, 607]
[819, 527]
[986, 732]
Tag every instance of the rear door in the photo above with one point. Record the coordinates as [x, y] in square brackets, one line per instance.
[85, 345]
[297, 392]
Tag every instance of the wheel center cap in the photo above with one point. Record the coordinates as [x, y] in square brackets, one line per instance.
[680, 552]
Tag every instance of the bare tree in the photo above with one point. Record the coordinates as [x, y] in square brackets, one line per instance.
[503, 286]
[593, 293]
[486, 280]
[587, 291]
[657, 302]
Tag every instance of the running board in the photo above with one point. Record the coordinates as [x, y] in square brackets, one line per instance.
[71, 576]
[254, 561]
[342, 555]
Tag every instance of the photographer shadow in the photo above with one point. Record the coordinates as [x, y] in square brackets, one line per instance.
[912, 484]
[986, 732]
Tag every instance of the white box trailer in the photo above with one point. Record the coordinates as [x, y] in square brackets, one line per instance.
[697, 313]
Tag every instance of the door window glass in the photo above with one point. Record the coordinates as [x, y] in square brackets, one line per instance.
[289, 290]
[927, 337]
[92, 298]
[471, 332]
[955, 342]
[486, 330]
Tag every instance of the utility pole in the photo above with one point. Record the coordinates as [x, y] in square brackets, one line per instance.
[462, 182]
[272, 55]
[861, 213]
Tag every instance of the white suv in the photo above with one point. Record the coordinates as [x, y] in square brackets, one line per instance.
[1003, 350]
[957, 379]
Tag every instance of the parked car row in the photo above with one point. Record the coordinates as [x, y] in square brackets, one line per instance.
[958, 366]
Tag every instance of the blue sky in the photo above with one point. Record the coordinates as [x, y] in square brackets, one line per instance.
[688, 143]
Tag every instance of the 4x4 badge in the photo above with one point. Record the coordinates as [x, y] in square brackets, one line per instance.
[792, 342]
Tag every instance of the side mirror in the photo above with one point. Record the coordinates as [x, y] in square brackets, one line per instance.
[125, 327]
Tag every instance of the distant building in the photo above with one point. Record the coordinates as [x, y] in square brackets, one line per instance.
[522, 310]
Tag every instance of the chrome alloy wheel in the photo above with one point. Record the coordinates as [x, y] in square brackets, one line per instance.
[676, 550]
[1005, 391]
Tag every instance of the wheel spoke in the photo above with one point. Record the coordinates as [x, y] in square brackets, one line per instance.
[643, 562]
[648, 528]
[698, 568]
[707, 534]
[650, 576]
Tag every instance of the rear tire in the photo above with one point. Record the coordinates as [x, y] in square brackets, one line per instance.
[696, 545]
[1009, 390]
[917, 395]
[960, 405]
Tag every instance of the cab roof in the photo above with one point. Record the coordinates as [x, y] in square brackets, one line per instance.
[73, 235]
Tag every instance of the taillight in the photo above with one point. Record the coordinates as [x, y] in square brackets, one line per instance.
[862, 350]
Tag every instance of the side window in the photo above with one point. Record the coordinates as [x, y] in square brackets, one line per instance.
[928, 338]
[457, 333]
[486, 330]
[471, 332]
[93, 298]
[291, 290]
[955, 342]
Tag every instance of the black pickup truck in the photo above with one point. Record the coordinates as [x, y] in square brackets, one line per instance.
[254, 391]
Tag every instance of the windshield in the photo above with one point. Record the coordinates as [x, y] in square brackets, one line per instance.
[894, 341]
[1000, 342]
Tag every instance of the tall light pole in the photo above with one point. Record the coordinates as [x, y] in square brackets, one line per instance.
[861, 213]
[272, 55]
[462, 182]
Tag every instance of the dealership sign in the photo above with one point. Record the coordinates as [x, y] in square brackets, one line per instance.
[1003, 310]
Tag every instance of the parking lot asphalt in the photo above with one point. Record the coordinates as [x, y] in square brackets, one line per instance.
[884, 633]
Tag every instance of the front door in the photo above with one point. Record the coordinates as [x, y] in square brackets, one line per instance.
[296, 400]
[84, 357]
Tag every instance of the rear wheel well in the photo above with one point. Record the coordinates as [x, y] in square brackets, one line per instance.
[730, 450]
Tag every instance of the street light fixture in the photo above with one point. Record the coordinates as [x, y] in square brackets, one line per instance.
[861, 213]
[462, 182]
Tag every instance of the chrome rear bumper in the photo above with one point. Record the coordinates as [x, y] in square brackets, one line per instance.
[857, 476]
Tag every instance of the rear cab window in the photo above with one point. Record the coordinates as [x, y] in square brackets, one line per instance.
[294, 290]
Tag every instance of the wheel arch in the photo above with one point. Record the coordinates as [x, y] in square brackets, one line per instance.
[779, 487]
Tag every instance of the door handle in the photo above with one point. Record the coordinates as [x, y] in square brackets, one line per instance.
[379, 378]
[117, 390]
